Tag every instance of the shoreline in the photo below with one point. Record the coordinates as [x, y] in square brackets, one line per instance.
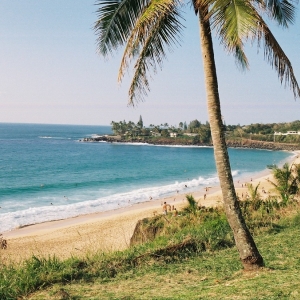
[110, 230]
[64, 209]
[174, 199]
[175, 142]
[149, 204]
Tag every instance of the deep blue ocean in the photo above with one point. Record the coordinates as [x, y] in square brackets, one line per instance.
[47, 173]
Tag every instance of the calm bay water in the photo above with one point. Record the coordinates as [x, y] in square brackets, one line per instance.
[46, 173]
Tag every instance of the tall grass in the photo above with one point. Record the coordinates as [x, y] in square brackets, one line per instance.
[189, 235]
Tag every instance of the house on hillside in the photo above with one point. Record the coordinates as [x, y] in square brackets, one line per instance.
[287, 133]
[155, 133]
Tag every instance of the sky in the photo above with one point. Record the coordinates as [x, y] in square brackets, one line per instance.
[51, 73]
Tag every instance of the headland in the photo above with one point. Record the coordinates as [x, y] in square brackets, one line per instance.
[165, 141]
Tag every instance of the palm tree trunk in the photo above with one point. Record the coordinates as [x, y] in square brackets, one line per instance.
[249, 254]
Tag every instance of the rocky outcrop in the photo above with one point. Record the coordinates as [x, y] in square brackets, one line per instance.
[145, 230]
[252, 144]
[231, 143]
[103, 138]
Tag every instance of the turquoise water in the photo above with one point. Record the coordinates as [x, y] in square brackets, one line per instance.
[47, 173]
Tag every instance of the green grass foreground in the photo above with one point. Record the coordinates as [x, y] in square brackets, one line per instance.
[192, 257]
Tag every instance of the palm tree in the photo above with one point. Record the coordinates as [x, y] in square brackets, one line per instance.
[148, 27]
[192, 204]
[115, 127]
[287, 180]
[253, 191]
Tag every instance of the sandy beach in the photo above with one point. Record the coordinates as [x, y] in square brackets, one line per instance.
[109, 230]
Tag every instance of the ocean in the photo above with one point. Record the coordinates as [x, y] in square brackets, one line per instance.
[47, 173]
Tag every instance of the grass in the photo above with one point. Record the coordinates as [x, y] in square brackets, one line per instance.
[193, 258]
[207, 276]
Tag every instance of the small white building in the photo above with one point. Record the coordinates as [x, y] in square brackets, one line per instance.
[173, 134]
[288, 133]
[154, 133]
[191, 134]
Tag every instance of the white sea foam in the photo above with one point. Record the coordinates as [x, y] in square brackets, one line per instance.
[35, 215]
[54, 137]
[151, 145]
[183, 146]
[159, 145]
[95, 135]
[235, 173]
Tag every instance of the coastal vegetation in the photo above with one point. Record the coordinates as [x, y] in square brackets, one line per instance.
[259, 136]
[201, 133]
[147, 28]
[287, 181]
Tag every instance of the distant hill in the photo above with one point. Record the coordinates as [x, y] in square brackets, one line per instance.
[196, 132]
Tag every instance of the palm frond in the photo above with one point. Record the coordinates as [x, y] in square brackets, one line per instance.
[234, 22]
[158, 28]
[240, 57]
[116, 18]
[283, 11]
[238, 21]
[141, 30]
[276, 57]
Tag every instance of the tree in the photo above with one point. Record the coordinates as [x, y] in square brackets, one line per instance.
[145, 132]
[194, 125]
[165, 133]
[140, 122]
[147, 27]
[253, 191]
[287, 181]
[192, 204]
[115, 127]
[240, 131]
[205, 134]
[184, 126]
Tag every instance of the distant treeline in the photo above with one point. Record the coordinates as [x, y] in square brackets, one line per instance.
[265, 132]
[201, 131]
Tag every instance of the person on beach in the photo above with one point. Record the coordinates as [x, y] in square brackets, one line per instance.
[204, 196]
[165, 208]
[175, 213]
